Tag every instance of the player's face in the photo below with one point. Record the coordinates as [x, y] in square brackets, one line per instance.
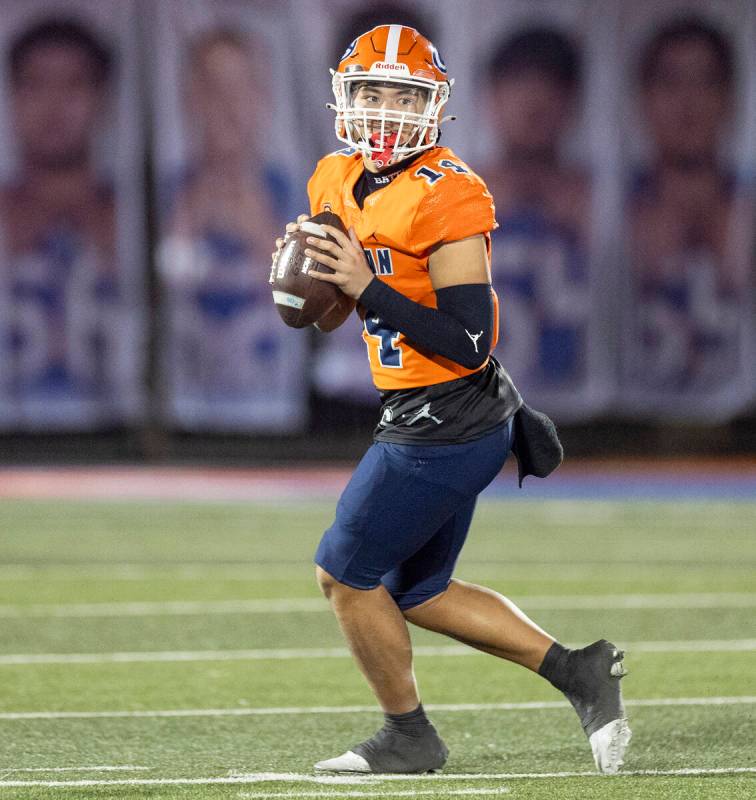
[687, 102]
[386, 98]
[530, 111]
[56, 102]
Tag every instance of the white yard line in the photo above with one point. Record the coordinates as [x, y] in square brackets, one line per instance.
[287, 710]
[692, 646]
[267, 777]
[293, 777]
[128, 571]
[287, 654]
[103, 768]
[287, 605]
[372, 793]
[651, 601]
[169, 608]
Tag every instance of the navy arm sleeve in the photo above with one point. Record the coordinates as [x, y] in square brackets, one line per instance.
[460, 329]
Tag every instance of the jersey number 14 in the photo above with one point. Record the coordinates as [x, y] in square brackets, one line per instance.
[389, 351]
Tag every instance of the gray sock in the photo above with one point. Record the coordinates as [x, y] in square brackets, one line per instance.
[556, 667]
[411, 723]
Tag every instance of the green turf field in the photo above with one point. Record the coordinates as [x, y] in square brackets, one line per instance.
[181, 651]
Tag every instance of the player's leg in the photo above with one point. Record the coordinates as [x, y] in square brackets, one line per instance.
[382, 517]
[486, 620]
[379, 640]
[589, 677]
[394, 503]
[480, 617]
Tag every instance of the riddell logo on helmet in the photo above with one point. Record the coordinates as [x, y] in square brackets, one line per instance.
[386, 66]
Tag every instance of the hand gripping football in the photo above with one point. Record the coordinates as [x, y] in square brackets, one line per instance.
[301, 299]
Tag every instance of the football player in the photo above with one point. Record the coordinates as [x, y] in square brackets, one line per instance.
[416, 260]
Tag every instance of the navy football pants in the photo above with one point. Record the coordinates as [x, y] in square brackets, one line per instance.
[405, 514]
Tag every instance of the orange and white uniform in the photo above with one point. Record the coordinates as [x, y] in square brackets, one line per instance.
[436, 199]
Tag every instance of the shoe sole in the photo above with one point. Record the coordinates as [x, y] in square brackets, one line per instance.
[351, 763]
[609, 744]
[347, 763]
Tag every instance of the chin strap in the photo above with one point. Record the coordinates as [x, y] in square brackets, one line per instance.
[387, 148]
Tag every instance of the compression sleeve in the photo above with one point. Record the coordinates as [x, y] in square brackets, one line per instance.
[460, 329]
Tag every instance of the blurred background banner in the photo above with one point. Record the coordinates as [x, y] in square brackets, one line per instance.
[688, 156]
[618, 140]
[230, 174]
[72, 263]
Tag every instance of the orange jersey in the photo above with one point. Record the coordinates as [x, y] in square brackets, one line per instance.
[437, 199]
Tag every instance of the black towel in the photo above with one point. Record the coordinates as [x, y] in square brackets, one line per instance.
[536, 444]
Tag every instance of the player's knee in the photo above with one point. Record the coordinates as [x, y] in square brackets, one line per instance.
[326, 582]
[340, 594]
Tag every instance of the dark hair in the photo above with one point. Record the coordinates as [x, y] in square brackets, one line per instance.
[542, 49]
[68, 32]
[386, 13]
[687, 29]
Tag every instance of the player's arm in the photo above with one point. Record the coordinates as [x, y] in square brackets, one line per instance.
[460, 329]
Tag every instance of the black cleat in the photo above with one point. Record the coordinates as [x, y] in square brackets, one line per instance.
[389, 752]
[595, 694]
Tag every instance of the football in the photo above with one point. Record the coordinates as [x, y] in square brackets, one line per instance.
[302, 300]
